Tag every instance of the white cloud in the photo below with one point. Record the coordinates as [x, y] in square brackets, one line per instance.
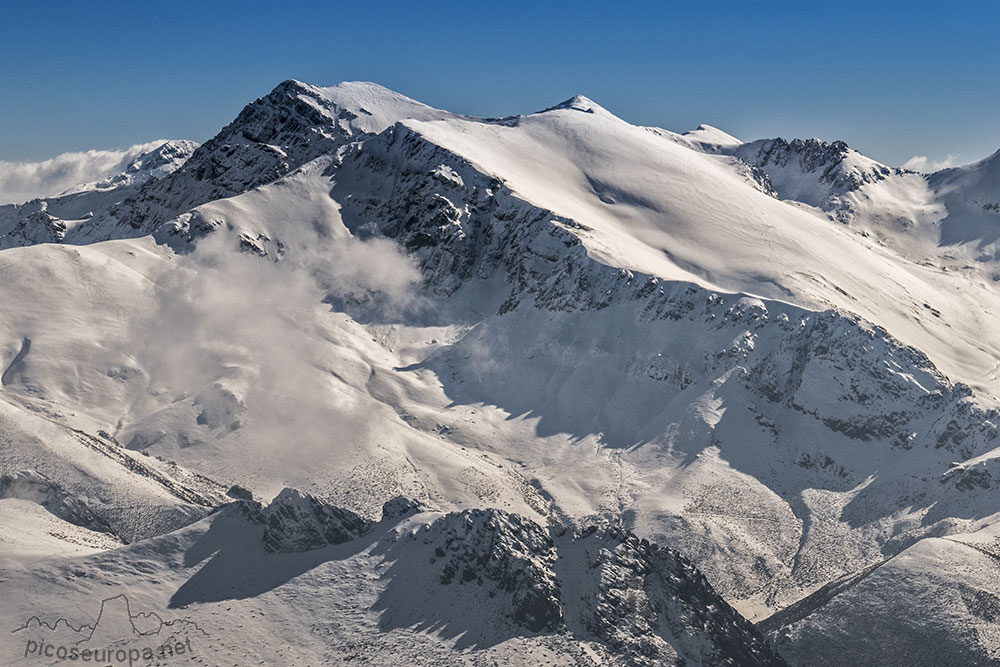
[255, 344]
[925, 165]
[21, 181]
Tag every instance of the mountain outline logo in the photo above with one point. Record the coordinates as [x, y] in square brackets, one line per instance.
[111, 637]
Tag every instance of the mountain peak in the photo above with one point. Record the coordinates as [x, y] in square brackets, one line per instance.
[369, 107]
[577, 103]
[171, 154]
[375, 107]
[135, 168]
[291, 85]
[709, 136]
[812, 171]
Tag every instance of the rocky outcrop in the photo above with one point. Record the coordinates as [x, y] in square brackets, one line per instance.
[157, 163]
[814, 172]
[270, 137]
[489, 575]
[651, 604]
[500, 551]
[830, 162]
[296, 521]
[646, 603]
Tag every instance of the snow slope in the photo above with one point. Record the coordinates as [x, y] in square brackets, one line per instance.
[969, 194]
[935, 603]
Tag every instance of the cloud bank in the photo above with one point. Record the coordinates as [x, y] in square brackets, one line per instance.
[22, 181]
[248, 349]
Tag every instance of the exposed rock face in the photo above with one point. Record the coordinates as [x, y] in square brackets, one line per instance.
[646, 603]
[38, 227]
[500, 551]
[157, 163]
[814, 172]
[653, 605]
[489, 575]
[829, 161]
[296, 521]
[400, 507]
[270, 137]
[459, 223]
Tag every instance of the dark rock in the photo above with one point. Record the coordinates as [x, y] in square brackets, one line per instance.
[401, 506]
[296, 521]
[239, 493]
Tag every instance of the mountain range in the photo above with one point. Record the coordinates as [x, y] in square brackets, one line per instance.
[360, 380]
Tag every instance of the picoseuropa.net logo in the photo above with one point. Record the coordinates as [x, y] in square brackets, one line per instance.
[106, 656]
[118, 636]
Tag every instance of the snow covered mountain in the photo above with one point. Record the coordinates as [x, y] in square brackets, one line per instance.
[49, 220]
[574, 337]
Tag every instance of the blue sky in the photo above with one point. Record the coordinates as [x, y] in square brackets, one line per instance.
[892, 79]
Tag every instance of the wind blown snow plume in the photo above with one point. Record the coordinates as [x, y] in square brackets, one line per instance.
[926, 165]
[221, 299]
[21, 181]
[245, 342]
